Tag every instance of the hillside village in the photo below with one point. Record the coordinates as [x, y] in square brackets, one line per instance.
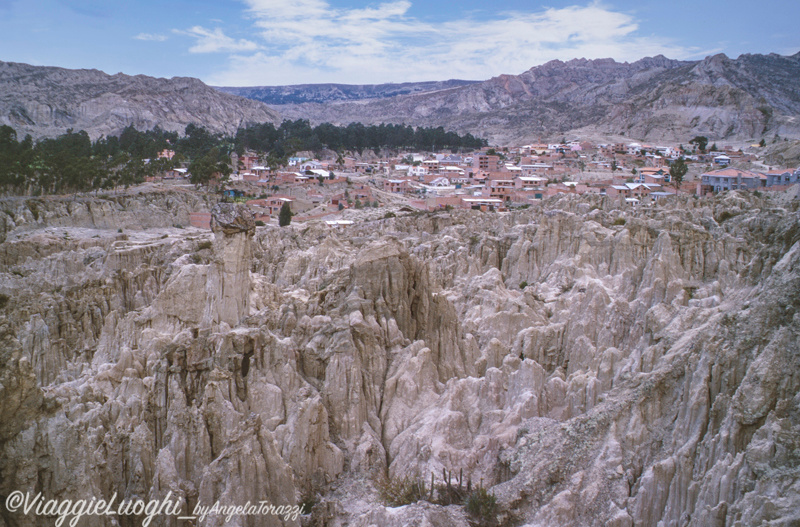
[489, 179]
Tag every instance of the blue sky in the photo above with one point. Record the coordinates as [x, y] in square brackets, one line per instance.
[273, 42]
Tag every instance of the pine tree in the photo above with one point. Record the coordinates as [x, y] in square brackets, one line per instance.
[285, 215]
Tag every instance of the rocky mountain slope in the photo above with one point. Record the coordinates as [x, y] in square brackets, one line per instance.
[656, 98]
[325, 93]
[45, 101]
[590, 364]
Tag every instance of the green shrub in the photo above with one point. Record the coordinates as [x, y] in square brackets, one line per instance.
[619, 221]
[204, 245]
[260, 223]
[389, 215]
[397, 492]
[481, 505]
[285, 215]
[726, 215]
[523, 284]
[4, 300]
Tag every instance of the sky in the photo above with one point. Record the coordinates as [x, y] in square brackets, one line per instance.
[280, 42]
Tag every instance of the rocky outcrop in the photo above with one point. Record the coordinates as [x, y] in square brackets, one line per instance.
[228, 282]
[585, 370]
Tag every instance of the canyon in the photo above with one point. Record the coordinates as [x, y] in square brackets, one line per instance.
[586, 361]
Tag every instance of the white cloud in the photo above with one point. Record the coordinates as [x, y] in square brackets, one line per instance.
[311, 41]
[208, 41]
[151, 37]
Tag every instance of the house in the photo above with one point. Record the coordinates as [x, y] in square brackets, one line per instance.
[270, 206]
[617, 190]
[177, 173]
[485, 162]
[451, 160]
[452, 171]
[529, 182]
[630, 190]
[731, 179]
[661, 195]
[501, 188]
[417, 171]
[397, 186]
[655, 175]
[248, 161]
[311, 165]
[782, 177]
[537, 169]
[633, 149]
[722, 160]
[319, 173]
[439, 181]
[275, 203]
[259, 170]
[481, 203]
[432, 165]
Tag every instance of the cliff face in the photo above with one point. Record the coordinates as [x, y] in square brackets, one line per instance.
[46, 101]
[645, 372]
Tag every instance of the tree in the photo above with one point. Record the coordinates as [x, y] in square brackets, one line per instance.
[677, 170]
[762, 144]
[614, 166]
[285, 215]
[701, 141]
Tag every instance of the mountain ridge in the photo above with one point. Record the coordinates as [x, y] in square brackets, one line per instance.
[653, 98]
[329, 92]
[46, 101]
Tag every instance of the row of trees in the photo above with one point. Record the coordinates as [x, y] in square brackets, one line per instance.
[73, 163]
[295, 136]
